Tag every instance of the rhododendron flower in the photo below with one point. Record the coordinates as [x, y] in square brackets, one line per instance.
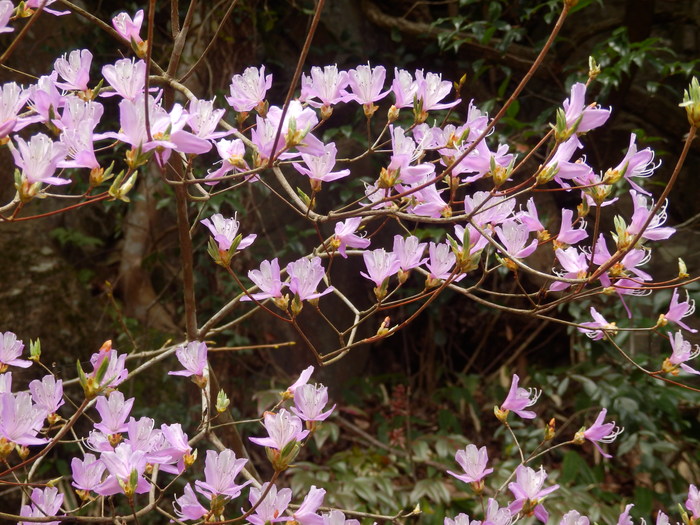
[624, 518]
[5, 382]
[87, 472]
[598, 323]
[496, 515]
[43, 503]
[514, 237]
[220, 471]
[327, 85]
[487, 209]
[380, 266]
[6, 9]
[248, 90]
[282, 428]
[188, 508]
[12, 100]
[345, 236]
[175, 453]
[366, 84]
[573, 517]
[580, 119]
[306, 513]
[75, 69]
[404, 88]
[441, 261]
[693, 501]
[10, 350]
[518, 399]
[409, 252]
[114, 411]
[304, 277]
[682, 351]
[231, 153]
[655, 231]
[225, 231]
[272, 508]
[575, 264]
[461, 519]
[268, 279]
[20, 420]
[301, 380]
[127, 77]
[203, 119]
[634, 164]
[599, 432]
[336, 517]
[431, 90]
[124, 464]
[39, 158]
[47, 393]
[116, 371]
[528, 492]
[193, 357]
[567, 234]
[678, 311]
[473, 461]
[309, 401]
[319, 168]
[129, 28]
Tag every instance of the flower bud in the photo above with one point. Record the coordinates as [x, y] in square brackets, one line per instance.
[550, 430]
[682, 269]
[593, 68]
[222, 401]
[501, 415]
[691, 102]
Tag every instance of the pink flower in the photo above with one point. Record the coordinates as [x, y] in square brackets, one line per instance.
[12, 100]
[20, 419]
[496, 515]
[6, 9]
[10, 350]
[599, 324]
[441, 262]
[573, 517]
[225, 232]
[124, 464]
[309, 401]
[301, 380]
[47, 393]
[272, 508]
[188, 508]
[567, 234]
[655, 231]
[380, 266]
[127, 77]
[175, 450]
[634, 164]
[268, 279]
[282, 429]
[682, 351]
[409, 252]
[43, 503]
[473, 461]
[487, 209]
[431, 90]
[580, 119]
[514, 237]
[304, 277]
[404, 88]
[87, 473]
[336, 517]
[220, 471]
[327, 85]
[345, 236]
[519, 399]
[575, 264]
[127, 28]
[39, 158]
[528, 492]
[678, 311]
[601, 432]
[319, 168]
[306, 513]
[203, 119]
[75, 70]
[113, 410]
[193, 357]
[624, 518]
[693, 501]
[366, 84]
[116, 371]
[34, 4]
[248, 90]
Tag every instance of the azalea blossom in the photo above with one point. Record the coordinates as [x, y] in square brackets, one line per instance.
[220, 471]
[225, 231]
[678, 311]
[309, 402]
[327, 85]
[272, 508]
[187, 507]
[10, 350]
[528, 492]
[87, 472]
[319, 168]
[473, 461]
[248, 90]
[345, 236]
[380, 266]
[268, 279]
[599, 432]
[39, 158]
[366, 84]
[599, 327]
[580, 118]
[304, 277]
[306, 514]
[127, 27]
[682, 351]
[193, 357]
[282, 428]
[75, 69]
[517, 400]
[42, 503]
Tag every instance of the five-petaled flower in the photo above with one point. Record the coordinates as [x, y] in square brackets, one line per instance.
[518, 400]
